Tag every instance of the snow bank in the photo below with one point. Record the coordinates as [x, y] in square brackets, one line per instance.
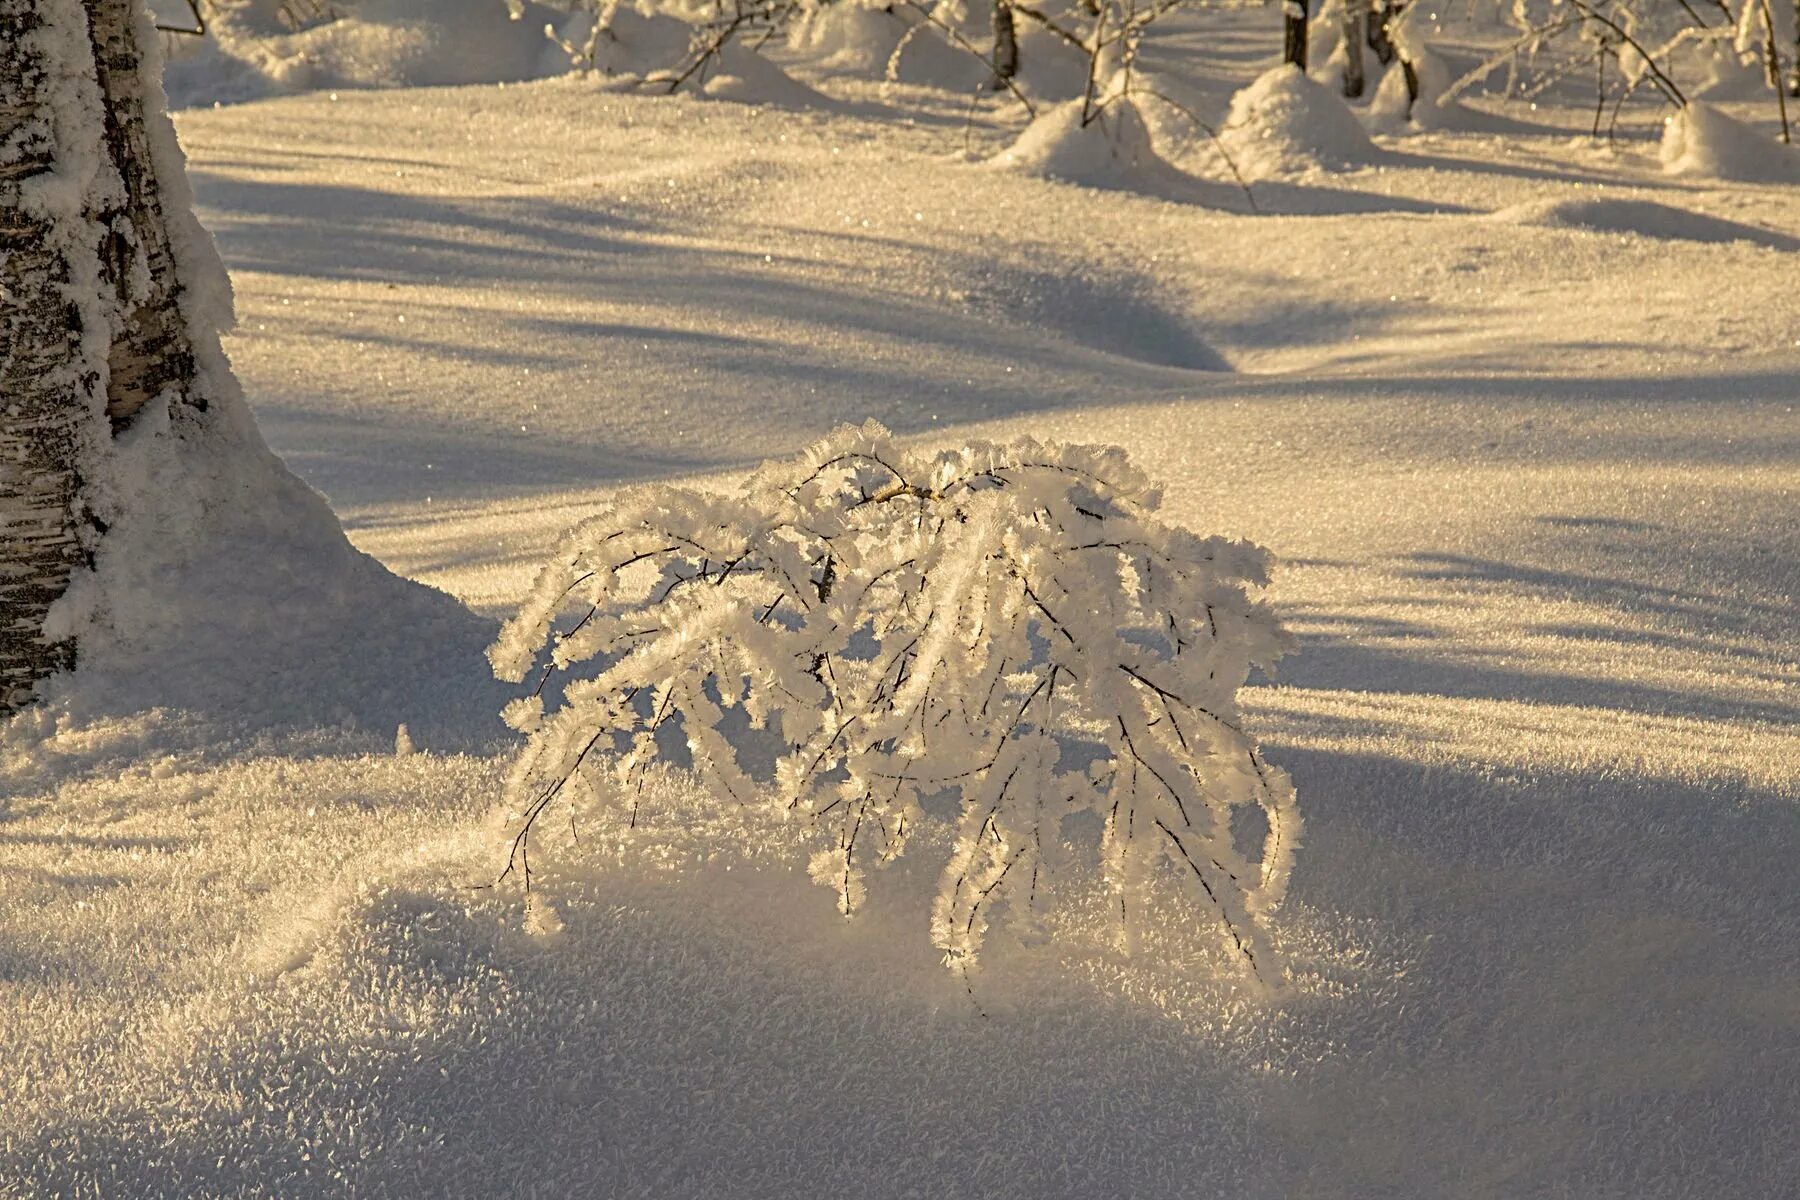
[1285, 124]
[226, 592]
[1703, 142]
[413, 43]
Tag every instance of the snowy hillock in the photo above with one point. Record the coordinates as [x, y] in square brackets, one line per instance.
[1106, 144]
[1081, 143]
[1286, 124]
[1703, 142]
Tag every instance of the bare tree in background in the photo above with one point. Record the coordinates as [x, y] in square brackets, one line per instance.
[1355, 32]
[1006, 41]
[93, 324]
[1293, 44]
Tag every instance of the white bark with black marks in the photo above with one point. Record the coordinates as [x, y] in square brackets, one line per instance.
[93, 324]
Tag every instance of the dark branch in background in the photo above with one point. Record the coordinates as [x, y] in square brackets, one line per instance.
[199, 26]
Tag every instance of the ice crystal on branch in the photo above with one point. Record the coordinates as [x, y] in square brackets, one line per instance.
[1011, 622]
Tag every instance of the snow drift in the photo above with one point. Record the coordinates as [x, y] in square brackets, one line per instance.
[1644, 218]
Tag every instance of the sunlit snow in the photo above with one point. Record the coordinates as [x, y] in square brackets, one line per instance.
[1513, 409]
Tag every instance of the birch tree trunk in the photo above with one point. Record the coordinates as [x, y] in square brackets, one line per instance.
[151, 350]
[93, 325]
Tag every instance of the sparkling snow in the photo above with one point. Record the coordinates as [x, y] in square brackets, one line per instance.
[1516, 413]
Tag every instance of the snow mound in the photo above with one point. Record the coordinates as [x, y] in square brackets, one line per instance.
[1641, 217]
[1109, 150]
[1285, 124]
[743, 75]
[1703, 142]
[227, 601]
[371, 43]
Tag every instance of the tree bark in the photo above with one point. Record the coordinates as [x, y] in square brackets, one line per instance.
[151, 350]
[1293, 42]
[1379, 41]
[1006, 41]
[1356, 32]
[92, 317]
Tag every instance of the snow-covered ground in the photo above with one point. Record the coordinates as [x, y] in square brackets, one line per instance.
[1515, 411]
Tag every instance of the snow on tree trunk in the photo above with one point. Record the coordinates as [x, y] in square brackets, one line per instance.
[95, 328]
[57, 323]
[148, 537]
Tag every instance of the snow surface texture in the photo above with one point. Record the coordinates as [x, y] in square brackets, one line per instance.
[1532, 482]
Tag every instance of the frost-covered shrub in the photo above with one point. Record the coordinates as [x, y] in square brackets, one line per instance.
[1012, 623]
